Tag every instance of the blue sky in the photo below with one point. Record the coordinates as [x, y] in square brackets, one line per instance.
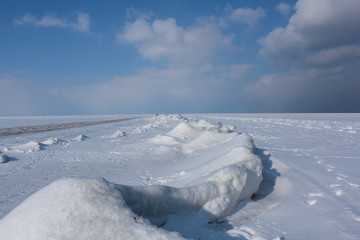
[114, 57]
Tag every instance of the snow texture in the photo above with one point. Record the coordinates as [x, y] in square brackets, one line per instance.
[174, 177]
[79, 208]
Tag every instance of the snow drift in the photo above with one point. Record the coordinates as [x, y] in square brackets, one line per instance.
[98, 209]
[193, 135]
[78, 209]
[210, 200]
[32, 146]
[80, 138]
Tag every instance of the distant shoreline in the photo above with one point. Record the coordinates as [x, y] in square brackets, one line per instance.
[52, 127]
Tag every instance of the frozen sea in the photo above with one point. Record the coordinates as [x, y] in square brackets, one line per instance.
[198, 176]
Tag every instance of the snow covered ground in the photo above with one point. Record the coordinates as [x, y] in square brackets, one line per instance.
[175, 177]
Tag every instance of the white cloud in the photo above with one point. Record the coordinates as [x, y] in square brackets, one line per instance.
[316, 26]
[202, 88]
[283, 8]
[237, 71]
[247, 15]
[151, 90]
[164, 39]
[82, 23]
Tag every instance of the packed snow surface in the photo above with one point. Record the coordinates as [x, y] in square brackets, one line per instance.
[175, 177]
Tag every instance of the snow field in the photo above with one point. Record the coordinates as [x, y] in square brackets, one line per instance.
[310, 187]
[321, 152]
[221, 170]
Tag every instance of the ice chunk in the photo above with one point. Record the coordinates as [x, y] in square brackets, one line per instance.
[80, 138]
[78, 209]
[3, 158]
[32, 146]
[119, 134]
[52, 141]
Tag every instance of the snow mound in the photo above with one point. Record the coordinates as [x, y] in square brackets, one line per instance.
[164, 140]
[32, 146]
[80, 138]
[206, 124]
[78, 209]
[3, 158]
[159, 120]
[206, 140]
[118, 134]
[52, 141]
[210, 200]
[193, 135]
[185, 131]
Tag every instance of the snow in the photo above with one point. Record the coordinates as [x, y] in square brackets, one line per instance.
[78, 209]
[52, 141]
[3, 158]
[80, 138]
[32, 146]
[119, 133]
[175, 177]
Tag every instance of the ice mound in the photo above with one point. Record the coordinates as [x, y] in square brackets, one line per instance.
[159, 120]
[206, 124]
[35, 146]
[78, 209]
[206, 140]
[193, 135]
[118, 134]
[32, 146]
[80, 138]
[3, 158]
[210, 200]
[185, 131]
[52, 141]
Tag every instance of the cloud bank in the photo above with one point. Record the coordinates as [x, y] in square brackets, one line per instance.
[317, 28]
[321, 42]
[81, 24]
[313, 90]
[164, 39]
[170, 90]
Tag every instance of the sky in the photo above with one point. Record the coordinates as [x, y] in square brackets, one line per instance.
[180, 56]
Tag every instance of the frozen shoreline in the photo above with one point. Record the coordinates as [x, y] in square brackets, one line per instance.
[53, 127]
